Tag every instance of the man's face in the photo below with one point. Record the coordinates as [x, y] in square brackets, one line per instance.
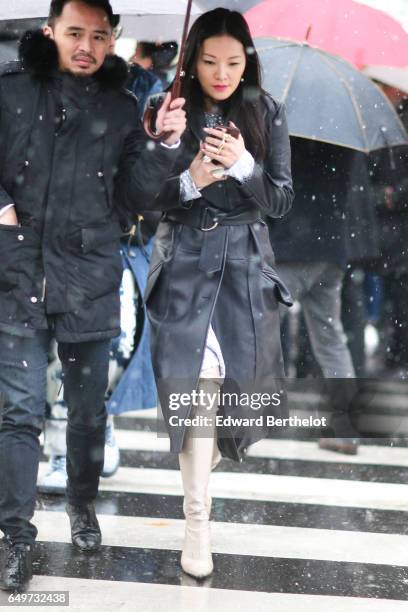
[83, 35]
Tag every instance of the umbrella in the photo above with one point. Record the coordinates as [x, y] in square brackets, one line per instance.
[147, 20]
[356, 32]
[8, 51]
[233, 5]
[327, 99]
[394, 77]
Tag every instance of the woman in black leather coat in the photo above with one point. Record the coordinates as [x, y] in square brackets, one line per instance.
[212, 293]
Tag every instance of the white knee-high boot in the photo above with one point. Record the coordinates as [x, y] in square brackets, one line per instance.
[196, 461]
[216, 458]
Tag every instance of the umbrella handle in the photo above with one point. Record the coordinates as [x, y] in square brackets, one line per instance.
[155, 102]
[150, 115]
[153, 106]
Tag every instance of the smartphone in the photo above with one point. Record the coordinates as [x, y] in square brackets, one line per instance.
[232, 131]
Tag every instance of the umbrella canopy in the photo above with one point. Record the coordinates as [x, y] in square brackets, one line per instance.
[354, 31]
[394, 77]
[233, 5]
[327, 99]
[8, 51]
[143, 19]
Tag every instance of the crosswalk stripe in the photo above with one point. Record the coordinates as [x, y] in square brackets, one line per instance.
[279, 449]
[237, 572]
[107, 595]
[332, 492]
[233, 538]
[284, 467]
[285, 514]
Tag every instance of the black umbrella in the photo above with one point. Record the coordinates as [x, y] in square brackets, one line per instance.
[327, 99]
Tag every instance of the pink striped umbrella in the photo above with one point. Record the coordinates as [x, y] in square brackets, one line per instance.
[356, 32]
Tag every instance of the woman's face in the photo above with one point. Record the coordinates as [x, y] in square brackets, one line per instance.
[220, 66]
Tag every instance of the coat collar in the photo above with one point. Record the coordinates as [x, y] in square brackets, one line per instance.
[39, 56]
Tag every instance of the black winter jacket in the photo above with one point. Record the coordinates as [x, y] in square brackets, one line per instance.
[74, 160]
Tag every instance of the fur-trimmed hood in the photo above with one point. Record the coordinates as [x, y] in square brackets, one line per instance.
[39, 56]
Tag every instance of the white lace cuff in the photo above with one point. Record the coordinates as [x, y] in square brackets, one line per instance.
[188, 189]
[173, 146]
[243, 168]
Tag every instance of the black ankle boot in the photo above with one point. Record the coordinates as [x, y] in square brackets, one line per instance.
[85, 530]
[18, 566]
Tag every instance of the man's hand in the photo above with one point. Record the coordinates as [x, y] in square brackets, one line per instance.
[172, 118]
[9, 217]
[201, 171]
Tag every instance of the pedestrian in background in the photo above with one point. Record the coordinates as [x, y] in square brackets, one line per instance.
[310, 247]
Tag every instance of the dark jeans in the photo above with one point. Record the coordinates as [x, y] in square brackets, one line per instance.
[23, 368]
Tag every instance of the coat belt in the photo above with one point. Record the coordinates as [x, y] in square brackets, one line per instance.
[208, 219]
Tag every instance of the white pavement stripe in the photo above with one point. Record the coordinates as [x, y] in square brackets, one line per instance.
[141, 440]
[238, 539]
[290, 489]
[106, 596]
[309, 451]
[278, 449]
[149, 414]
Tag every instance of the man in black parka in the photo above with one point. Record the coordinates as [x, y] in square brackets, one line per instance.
[73, 162]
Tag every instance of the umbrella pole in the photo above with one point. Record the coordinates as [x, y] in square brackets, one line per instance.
[150, 114]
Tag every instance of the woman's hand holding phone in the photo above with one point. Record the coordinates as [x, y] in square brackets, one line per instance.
[223, 145]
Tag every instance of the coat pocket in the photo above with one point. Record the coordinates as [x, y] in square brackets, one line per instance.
[163, 252]
[281, 291]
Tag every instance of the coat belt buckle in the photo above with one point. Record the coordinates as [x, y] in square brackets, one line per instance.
[213, 226]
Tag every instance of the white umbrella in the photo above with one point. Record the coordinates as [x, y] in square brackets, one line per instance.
[143, 19]
[395, 77]
[8, 51]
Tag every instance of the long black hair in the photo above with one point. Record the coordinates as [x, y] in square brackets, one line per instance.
[244, 106]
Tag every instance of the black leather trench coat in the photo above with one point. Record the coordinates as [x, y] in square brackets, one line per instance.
[225, 276]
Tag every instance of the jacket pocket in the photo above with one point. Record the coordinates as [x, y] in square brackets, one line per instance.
[97, 267]
[94, 237]
[281, 291]
[11, 255]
